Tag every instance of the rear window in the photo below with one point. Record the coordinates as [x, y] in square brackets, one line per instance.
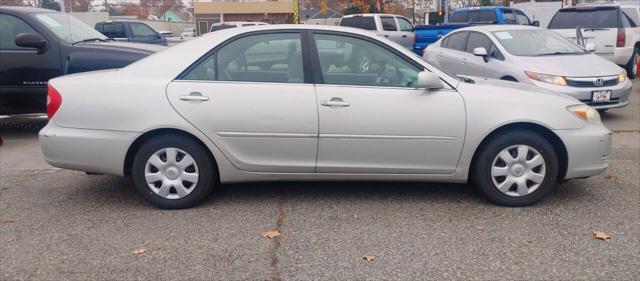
[221, 27]
[488, 16]
[458, 17]
[359, 22]
[585, 17]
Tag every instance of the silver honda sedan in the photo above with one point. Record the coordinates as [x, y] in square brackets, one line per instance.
[533, 56]
[265, 103]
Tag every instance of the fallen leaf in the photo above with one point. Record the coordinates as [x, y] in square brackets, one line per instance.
[601, 235]
[12, 238]
[270, 234]
[139, 251]
[8, 221]
[610, 178]
[368, 258]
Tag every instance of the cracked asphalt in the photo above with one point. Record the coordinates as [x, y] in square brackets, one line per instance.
[65, 225]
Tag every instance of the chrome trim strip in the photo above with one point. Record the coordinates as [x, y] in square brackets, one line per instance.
[592, 79]
[346, 136]
[264, 135]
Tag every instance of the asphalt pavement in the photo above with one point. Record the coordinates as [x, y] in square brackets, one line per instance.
[65, 225]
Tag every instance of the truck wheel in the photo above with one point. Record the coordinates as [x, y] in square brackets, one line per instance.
[632, 65]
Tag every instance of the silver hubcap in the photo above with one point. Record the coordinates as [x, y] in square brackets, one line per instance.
[171, 173]
[635, 65]
[518, 170]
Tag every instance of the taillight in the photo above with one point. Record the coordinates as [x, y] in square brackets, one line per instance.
[54, 100]
[622, 36]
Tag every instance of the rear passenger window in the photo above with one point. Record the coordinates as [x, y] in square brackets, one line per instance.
[388, 24]
[273, 58]
[632, 13]
[457, 41]
[459, 17]
[113, 30]
[367, 23]
[488, 16]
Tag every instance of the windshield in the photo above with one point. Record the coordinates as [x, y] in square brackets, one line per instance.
[67, 27]
[585, 17]
[536, 42]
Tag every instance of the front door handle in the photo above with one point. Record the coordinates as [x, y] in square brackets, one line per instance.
[335, 102]
[194, 96]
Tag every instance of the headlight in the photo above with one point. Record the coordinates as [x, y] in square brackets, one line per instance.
[585, 113]
[622, 76]
[553, 79]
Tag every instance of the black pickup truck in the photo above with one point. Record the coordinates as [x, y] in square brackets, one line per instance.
[37, 45]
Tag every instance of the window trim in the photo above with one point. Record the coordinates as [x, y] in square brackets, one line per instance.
[214, 52]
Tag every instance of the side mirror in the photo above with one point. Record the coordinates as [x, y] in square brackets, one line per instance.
[481, 52]
[428, 80]
[536, 23]
[32, 40]
[590, 47]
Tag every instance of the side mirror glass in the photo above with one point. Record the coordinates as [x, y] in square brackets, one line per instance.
[428, 80]
[481, 52]
[590, 47]
[32, 40]
[536, 23]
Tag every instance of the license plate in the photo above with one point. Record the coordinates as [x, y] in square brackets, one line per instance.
[601, 96]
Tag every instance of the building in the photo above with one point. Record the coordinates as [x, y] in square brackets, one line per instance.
[208, 12]
[170, 16]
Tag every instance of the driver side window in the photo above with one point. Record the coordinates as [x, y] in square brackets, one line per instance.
[346, 60]
[142, 30]
[10, 27]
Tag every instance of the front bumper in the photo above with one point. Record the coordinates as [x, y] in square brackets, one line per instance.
[619, 93]
[94, 151]
[588, 149]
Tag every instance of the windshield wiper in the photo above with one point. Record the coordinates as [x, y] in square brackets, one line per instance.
[91, 40]
[558, 53]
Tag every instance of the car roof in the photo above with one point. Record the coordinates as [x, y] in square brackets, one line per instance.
[371, 15]
[498, 27]
[480, 8]
[27, 9]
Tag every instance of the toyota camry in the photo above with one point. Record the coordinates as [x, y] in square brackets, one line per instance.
[294, 102]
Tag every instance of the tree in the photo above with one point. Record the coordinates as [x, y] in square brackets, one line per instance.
[50, 4]
[134, 10]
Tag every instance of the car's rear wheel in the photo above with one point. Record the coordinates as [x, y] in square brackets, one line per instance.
[173, 172]
[632, 65]
[515, 168]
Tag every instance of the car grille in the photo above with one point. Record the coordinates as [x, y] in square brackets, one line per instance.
[592, 82]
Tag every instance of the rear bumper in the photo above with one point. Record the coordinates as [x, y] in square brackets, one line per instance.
[587, 149]
[94, 151]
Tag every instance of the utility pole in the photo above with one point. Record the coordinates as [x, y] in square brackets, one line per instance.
[62, 8]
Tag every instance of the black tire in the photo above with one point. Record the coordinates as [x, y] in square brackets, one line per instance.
[630, 67]
[481, 167]
[206, 169]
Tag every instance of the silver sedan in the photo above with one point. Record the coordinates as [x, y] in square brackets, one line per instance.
[266, 103]
[533, 56]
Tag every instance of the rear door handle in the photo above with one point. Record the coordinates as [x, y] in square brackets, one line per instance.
[194, 96]
[335, 102]
[404, 36]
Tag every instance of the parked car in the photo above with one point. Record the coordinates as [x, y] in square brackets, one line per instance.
[534, 56]
[397, 28]
[188, 32]
[613, 28]
[178, 134]
[37, 45]
[165, 33]
[130, 31]
[232, 24]
[463, 17]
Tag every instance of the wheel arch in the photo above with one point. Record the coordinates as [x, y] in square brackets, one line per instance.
[556, 142]
[509, 78]
[135, 145]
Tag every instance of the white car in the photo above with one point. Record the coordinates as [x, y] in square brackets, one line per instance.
[188, 32]
[233, 24]
[534, 56]
[215, 114]
[614, 30]
[397, 28]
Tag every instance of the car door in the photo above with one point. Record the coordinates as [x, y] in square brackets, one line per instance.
[389, 28]
[450, 53]
[477, 66]
[23, 71]
[378, 122]
[261, 113]
[407, 33]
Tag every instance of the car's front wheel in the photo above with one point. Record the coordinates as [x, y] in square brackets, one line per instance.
[173, 172]
[516, 168]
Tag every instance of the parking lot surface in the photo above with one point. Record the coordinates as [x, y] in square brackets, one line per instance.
[65, 225]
